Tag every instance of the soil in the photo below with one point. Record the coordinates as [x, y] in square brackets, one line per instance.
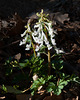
[65, 15]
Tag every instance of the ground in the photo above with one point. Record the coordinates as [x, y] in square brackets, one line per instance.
[65, 15]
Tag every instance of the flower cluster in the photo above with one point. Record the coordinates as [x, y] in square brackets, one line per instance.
[26, 36]
[42, 34]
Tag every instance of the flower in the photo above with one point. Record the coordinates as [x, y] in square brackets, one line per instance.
[37, 48]
[49, 46]
[38, 54]
[59, 51]
[46, 42]
[28, 27]
[21, 43]
[53, 41]
[24, 33]
[28, 46]
[37, 25]
[40, 37]
[24, 40]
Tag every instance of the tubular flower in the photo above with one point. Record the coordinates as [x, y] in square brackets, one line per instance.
[42, 34]
[39, 35]
[26, 36]
[24, 40]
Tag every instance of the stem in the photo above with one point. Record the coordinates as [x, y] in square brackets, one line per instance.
[33, 46]
[58, 81]
[49, 62]
[49, 56]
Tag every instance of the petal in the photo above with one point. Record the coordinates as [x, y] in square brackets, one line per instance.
[38, 54]
[21, 43]
[27, 48]
[36, 26]
[53, 41]
[23, 33]
[49, 46]
[37, 48]
[28, 29]
[59, 51]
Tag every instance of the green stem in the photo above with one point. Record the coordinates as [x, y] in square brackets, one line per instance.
[49, 56]
[49, 62]
[58, 81]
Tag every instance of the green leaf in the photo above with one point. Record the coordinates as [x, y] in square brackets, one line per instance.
[61, 68]
[22, 64]
[43, 47]
[60, 86]
[61, 61]
[11, 89]
[32, 93]
[41, 61]
[51, 84]
[4, 88]
[58, 91]
[50, 77]
[53, 65]
[64, 83]
[49, 89]
[35, 84]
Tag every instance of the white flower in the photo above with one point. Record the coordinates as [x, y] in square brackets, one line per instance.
[49, 29]
[53, 35]
[39, 36]
[49, 47]
[35, 38]
[43, 37]
[55, 31]
[38, 54]
[28, 46]
[37, 25]
[59, 51]
[46, 42]
[53, 41]
[25, 39]
[49, 24]
[37, 48]
[24, 42]
[24, 33]
[28, 28]
[21, 43]
[34, 33]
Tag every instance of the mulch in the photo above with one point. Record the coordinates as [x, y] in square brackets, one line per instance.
[65, 15]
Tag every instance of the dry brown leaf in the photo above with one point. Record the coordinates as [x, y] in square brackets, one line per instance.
[17, 27]
[4, 24]
[53, 97]
[61, 17]
[18, 56]
[23, 97]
